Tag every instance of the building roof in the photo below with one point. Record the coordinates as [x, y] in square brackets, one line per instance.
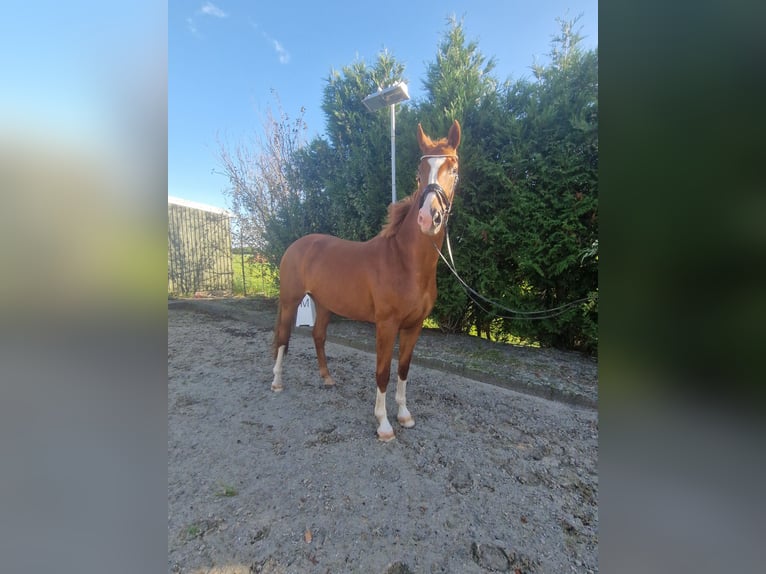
[197, 205]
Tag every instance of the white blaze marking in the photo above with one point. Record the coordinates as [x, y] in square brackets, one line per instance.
[425, 220]
[276, 384]
[435, 163]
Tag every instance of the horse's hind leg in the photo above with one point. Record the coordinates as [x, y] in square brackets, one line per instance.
[320, 336]
[288, 309]
[276, 384]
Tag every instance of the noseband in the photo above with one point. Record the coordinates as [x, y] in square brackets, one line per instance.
[444, 204]
[441, 196]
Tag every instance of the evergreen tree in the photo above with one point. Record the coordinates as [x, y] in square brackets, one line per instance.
[460, 85]
[309, 210]
[457, 81]
[555, 175]
[360, 188]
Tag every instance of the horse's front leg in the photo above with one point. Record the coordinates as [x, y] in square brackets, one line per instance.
[407, 340]
[385, 334]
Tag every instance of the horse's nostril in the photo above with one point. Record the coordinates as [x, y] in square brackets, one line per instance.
[438, 219]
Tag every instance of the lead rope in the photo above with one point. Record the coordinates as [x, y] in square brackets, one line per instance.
[473, 294]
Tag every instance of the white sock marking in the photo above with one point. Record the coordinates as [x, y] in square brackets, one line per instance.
[384, 427]
[403, 416]
[276, 384]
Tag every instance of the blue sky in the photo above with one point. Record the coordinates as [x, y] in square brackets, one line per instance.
[227, 58]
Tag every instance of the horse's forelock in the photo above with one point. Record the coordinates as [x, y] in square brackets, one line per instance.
[443, 147]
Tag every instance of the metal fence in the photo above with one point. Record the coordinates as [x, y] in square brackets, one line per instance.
[199, 249]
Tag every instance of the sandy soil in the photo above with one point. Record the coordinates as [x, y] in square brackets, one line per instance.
[489, 480]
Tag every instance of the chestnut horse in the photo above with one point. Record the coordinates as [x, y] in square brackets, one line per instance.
[389, 280]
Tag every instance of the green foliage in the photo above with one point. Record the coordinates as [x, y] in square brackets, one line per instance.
[554, 213]
[227, 491]
[358, 187]
[526, 217]
[457, 81]
[254, 276]
[460, 86]
[525, 227]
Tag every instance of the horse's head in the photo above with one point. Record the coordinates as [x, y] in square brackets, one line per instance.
[437, 178]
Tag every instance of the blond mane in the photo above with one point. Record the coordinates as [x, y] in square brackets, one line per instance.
[396, 214]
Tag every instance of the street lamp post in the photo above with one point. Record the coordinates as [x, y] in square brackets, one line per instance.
[380, 99]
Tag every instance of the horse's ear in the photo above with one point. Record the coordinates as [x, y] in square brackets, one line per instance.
[423, 139]
[453, 137]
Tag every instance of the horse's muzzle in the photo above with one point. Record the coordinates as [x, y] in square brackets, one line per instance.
[430, 219]
[425, 221]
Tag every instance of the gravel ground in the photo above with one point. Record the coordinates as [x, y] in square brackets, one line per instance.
[490, 479]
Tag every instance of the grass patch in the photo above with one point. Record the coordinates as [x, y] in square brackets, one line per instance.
[493, 355]
[508, 338]
[227, 491]
[253, 276]
[497, 337]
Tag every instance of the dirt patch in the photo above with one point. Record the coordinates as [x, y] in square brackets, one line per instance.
[489, 480]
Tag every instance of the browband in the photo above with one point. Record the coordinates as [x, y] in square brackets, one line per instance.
[422, 157]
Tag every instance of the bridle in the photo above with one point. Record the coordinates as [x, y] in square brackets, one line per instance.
[445, 206]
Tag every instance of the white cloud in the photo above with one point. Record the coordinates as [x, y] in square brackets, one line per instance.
[191, 26]
[284, 55]
[210, 9]
[207, 9]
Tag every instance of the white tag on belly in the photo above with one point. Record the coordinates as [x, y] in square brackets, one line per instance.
[307, 313]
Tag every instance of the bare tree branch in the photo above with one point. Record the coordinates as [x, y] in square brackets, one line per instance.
[260, 175]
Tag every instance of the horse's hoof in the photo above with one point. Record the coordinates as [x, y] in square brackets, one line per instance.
[386, 436]
[406, 422]
[328, 381]
[276, 388]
